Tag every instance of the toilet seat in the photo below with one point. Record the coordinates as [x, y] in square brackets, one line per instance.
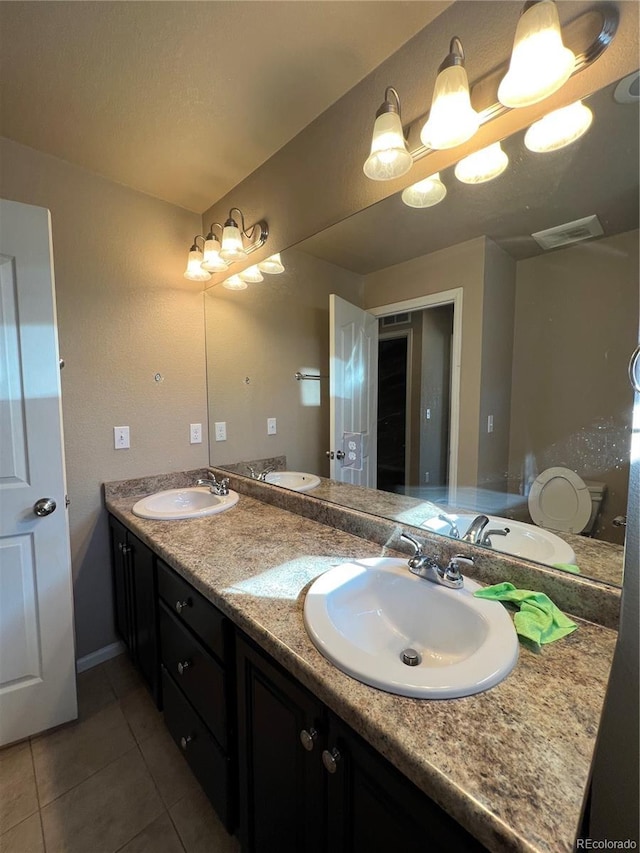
[560, 500]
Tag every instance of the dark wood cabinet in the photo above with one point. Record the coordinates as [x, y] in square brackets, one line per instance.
[136, 602]
[337, 794]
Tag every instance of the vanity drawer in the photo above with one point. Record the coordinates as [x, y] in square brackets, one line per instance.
[208, 763]
[198, 674]
[193, 608]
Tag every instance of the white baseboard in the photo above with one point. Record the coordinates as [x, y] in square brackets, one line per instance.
[99, 656]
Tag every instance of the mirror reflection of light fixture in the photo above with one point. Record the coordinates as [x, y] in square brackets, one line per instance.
[194, 270]
[559, 128]
[212, 260]
[425, 193]
[272, 265]
[482, 166]
[389, 157]
[234, 282]
[252, 275]
[452, 120]
[540, 63]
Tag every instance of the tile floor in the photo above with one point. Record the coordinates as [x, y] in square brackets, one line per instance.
[113, 781]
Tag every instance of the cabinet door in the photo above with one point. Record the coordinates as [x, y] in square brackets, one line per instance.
[281, 783]
[122, 592]
[373, 808]
[142, 570]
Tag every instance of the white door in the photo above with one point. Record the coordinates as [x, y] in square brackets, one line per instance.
[37, 655]
[353, 390]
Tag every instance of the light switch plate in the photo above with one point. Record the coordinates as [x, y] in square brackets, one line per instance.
[121, 438]
[271, 426]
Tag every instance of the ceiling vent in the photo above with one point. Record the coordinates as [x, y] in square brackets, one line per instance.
[396, 319]
[570, 232]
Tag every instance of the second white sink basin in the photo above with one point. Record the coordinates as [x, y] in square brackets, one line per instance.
[192, 502]
[523, 540]
[364, 615]
[296, 480]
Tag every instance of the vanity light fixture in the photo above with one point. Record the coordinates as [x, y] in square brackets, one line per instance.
[194, 270]
[389, 157]
[212, 262]
[234, 282]
[482, 166]
[559, 128]
[271, 265]
[251, 275]
[452, 120]
[425, 193]
[540, 63]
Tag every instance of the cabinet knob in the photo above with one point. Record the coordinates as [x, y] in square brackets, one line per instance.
[185, 741]
[308, 738]
[330, 759]
[180, 605]
[183, 666]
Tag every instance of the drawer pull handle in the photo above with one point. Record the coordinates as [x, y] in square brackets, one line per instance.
[308, 738]
[185, 741]
[331, 759]
[183, 666]
[180, 605]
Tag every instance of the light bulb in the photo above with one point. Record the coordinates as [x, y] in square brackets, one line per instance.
[559, 128]
[212, 260]
[232, 246]
[482, 166]
[425, 193]
[540, 63]
[234, 282]
[452, 120]
[272, 265]
[389, 157]
[251, 274]
[194, 271]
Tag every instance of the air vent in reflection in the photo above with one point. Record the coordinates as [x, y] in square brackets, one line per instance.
[396, 319]
[570, 232]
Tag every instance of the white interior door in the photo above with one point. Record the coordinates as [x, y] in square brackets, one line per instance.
[37, 656]
[353, 390]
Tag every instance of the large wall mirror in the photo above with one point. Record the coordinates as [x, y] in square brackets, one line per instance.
[502, 385]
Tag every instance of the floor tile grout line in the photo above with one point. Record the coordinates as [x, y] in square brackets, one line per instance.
[175, 825]
[44, 840]
[35, 775]
[133, 837]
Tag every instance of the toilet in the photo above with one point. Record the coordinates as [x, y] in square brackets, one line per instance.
[560, 500]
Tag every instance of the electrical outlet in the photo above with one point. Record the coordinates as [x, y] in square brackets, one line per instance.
[221, 430]
[271, 426]
[121, 438]
[490, 423]
[196, 433]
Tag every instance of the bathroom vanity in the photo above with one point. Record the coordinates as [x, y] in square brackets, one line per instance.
[290, 748]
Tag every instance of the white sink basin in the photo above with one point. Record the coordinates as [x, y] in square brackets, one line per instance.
[363, 615]
[296, 480]
[192, 502]
[523, 540]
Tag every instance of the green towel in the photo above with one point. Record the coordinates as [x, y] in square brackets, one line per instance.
[567, 567]
[539, 620]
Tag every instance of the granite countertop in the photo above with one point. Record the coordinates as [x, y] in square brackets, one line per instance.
[510, 765]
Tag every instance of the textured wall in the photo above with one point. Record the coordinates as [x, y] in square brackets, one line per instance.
[124, 313]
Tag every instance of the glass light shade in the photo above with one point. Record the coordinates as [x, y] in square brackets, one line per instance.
[234, 282]
[540, 63]
[389, 157]
[483, 165]
[194, 271]
[452, 120]
[271, 265]
[425, 193]
[212, 260]
[251, 274]
[559, 128]
[232, 246]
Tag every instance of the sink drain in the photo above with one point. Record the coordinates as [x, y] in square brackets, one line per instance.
[411, 657]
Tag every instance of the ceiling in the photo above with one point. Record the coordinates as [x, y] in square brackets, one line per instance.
[598, 174]
[183, 100]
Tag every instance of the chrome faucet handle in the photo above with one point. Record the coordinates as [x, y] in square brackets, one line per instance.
[455, 533]
[486, 539]
[252, 472]
[452, 572]
[417, 546]
[223, 486]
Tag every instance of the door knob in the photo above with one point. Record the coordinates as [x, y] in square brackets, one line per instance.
[329, 454]
[339, 454]
[45, 506]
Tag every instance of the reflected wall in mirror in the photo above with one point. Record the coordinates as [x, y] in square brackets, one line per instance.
[515, 367]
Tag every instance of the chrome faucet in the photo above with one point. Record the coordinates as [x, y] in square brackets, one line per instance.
[428, 568]
[216, 487]
[262, 475]
[474, 532]
[486, 538]
[454, 532]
